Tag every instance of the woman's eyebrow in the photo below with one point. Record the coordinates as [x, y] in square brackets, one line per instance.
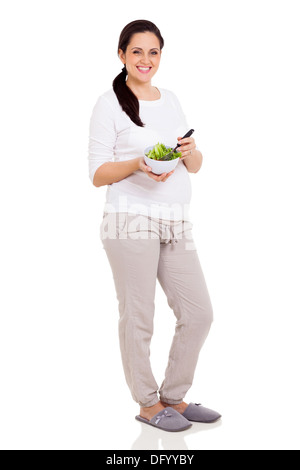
[153, 48]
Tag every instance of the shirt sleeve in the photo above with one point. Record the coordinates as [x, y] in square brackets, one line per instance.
[179, 110]
[102, 136]
[182, 115]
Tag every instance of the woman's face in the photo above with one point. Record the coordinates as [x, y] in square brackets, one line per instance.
[142, 57]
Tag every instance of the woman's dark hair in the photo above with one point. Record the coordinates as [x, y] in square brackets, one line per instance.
[127, 99]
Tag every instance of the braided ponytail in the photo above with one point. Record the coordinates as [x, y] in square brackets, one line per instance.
[126, 98]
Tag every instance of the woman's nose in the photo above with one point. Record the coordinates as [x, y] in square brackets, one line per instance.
[145, 60]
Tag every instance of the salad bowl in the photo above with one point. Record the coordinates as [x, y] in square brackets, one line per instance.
[159, 166]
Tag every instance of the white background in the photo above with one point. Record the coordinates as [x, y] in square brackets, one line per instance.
[234, 65]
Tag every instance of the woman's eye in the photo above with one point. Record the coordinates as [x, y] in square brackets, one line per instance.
[136, 52]
[154, 53]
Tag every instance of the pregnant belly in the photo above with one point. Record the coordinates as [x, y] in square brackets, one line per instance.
[176, 189]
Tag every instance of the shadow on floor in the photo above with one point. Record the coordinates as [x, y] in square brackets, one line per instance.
[155, 439]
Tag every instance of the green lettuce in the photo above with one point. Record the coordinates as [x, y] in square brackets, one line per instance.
[160, 150]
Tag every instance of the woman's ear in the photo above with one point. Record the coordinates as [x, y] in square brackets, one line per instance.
[122, 56]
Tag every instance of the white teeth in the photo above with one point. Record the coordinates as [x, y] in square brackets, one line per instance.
[144, 68]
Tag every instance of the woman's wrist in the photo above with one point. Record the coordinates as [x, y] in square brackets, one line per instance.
[138, 161]
[193, 162]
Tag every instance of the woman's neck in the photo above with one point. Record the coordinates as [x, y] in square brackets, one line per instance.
[143, 91]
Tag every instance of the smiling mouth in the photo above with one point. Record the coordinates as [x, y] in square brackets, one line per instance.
[144, 69]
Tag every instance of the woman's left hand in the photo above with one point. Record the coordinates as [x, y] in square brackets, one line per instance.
[187, 146]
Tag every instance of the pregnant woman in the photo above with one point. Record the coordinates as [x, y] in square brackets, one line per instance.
[146, 231]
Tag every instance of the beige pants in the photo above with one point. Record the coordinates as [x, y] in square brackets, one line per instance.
[141, 250]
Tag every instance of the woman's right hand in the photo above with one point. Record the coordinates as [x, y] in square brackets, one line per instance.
[148, 170]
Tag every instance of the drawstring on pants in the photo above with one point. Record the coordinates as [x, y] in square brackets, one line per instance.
[168, 235]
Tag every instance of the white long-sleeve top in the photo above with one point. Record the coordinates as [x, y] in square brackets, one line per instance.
[114, 137]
